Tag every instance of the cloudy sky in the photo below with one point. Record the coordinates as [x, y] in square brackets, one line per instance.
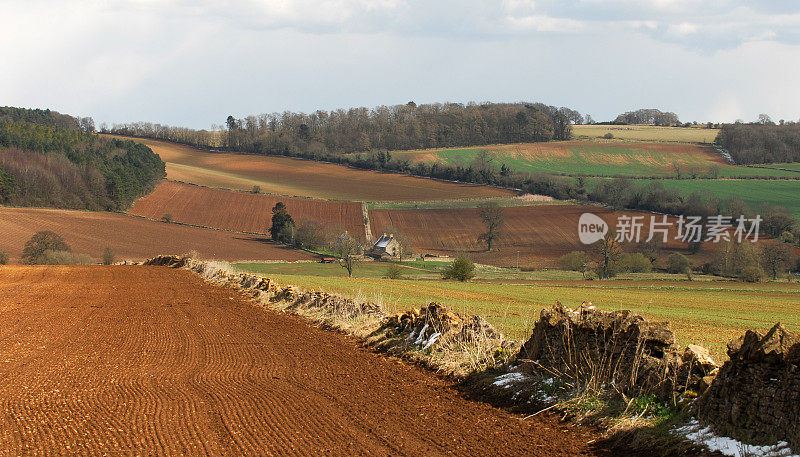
[193, 63]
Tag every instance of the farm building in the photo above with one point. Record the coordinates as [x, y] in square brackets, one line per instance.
[386, 246]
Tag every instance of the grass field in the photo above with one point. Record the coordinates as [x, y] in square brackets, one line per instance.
[647, 133]
[244, 212]
[590, 158]
[754, 192]
[304, 178]
[707, 313]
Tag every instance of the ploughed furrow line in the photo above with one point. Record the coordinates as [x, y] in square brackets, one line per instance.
[153, 361]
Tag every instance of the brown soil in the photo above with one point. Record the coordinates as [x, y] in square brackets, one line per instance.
[240, 211]
[304, 178]
[132, 237]
[152, 361]
[541, 234]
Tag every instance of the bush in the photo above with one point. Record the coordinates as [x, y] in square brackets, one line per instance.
[461, 269]
[677, 263]
[108, 256]
[609, 136]
[255, 190]
[35, 248]
[167, 218]
[636, 263]
[574, 261]
[751, 273]
[3, 258]
[393, 272]
[65, 258]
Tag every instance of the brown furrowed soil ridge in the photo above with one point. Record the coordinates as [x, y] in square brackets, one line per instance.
[153, 361]
[241, 212]
[304, 178]
[133, 237]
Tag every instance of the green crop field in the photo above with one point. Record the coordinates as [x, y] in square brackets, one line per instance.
[705, 312]
[647, 133]
[755, 192]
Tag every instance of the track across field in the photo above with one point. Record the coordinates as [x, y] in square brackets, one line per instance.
[133, 238]
[240, 211]
[152, 361]
[304, 178]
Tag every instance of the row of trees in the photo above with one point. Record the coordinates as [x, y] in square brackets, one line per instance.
[325, 134]
[746, 261]
[648, 116]
[763, 142]
[60, 164]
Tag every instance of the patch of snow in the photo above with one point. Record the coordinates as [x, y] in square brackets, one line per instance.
[431, 340]
[509, 378]
[421, 336]
[704, 436]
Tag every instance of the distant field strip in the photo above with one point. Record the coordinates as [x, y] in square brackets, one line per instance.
[133, 238]
[710, 314]
[240, 211]
[304, 178]
[647, 133]
[591, 158]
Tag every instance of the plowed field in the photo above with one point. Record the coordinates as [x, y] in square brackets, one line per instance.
[240, 211]
[541, 234]
[132, 238]
[304, 178]
[152, 361]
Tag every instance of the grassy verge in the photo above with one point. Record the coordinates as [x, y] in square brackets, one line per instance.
[708, 313]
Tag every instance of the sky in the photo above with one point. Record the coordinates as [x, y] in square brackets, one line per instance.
[193, 63]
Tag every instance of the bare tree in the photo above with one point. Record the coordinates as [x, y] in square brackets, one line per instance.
[610, 252]
[493, 217]
[403, 242]
[348, 250]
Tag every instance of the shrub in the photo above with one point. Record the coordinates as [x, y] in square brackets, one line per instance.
[751, 273]
[636, 263]
[574, 261]
[108, 256]
[167, 218]
[255, 190]
[35, 248]
[65, 258]
[393, 272]
[461, 268]
[609, 136]
[677, 263]
[3, 258]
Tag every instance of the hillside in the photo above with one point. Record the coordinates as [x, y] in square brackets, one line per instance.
[133, 238]
[243, 212]
[53, 160]
[303, 178]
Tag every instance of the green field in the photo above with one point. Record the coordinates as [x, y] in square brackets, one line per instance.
[754, 192]
[709, 313]
[647, 133]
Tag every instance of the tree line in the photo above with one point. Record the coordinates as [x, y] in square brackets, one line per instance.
[323, 134]
[763, 142]
[52, 159]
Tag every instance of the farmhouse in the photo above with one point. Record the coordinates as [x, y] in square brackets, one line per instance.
[386, 246]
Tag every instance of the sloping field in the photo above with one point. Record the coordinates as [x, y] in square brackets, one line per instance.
[594, 158]
[647, 133]
[152, 361]
[239, 211]
[707, 313]
[303, 178]
[131, 237]
[541, 234]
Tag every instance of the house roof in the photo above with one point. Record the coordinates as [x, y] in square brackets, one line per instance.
[383, 241]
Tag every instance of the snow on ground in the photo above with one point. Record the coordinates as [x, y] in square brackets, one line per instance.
[704, 436]
[509, 378]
